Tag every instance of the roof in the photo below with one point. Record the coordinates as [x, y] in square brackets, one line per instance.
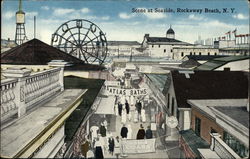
[239, 114]
[123, 43]
[36, 52]
[29, 130]
[217, 62]
[158, 80]
[203, 57]
[170, 31]
[162, 39]
[205, 106]
[193, 141]
[209, 85]
[74, 121]
[189, 63]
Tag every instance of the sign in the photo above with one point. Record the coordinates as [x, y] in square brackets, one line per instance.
[126, 92]
[172, 122]
[112, 83]
[138, 146]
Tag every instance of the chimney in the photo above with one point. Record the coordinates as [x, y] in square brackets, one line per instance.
[226, 68]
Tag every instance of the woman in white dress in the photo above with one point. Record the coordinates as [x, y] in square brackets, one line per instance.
[130, 131]
[143, 115]
[124, 116]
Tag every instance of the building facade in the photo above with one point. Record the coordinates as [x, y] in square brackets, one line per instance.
[162, 46]
[180, 52]
[123, 48]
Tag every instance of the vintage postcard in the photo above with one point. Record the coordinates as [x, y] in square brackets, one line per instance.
[125, 79]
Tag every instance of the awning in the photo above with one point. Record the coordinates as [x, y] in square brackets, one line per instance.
[106, 105]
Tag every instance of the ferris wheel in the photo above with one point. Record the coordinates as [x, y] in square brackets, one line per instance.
[83, 39]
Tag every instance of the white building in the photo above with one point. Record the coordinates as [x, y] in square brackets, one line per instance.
[123, 48]
[180, 52]
[162, 46]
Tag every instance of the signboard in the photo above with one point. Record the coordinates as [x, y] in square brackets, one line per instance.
[138, 146]
[126, 92]
[112, 83]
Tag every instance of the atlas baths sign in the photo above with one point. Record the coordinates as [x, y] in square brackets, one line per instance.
[112, 88]
[126, 92]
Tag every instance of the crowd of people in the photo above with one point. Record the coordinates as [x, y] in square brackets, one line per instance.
[126, 109]
[102, 141]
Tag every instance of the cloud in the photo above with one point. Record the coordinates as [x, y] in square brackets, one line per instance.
[45, 7]
[9, 15]
[62, 11]
[125, 16]
[155, 15]
[195, 17]
[85, 10]
[240, 16]
[105, 18]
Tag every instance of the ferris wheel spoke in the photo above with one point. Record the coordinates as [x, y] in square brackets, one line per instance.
[86, 59]
[73, 50]
[67, 40]
[91, 40]
[86, 35]
[79, 33]
[73, 36]
[92, 55]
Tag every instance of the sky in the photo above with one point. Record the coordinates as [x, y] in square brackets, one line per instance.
[119, 22]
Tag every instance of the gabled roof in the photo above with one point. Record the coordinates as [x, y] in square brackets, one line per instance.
[161, 39]
[123, 43]
[158, 79]
[36, 52]
[204, 57]
[209, 85]
[189, 63]
[217, 62]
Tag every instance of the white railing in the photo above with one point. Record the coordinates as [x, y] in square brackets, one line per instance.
[22, 90]
[8, 98]
[221, 148]
[41, 85]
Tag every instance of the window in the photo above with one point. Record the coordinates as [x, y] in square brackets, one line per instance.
[164, 50]
[159, 46]
[212, 130]
[168, 100]
[182, 54]
[178, 114]
[215, 53]
[152, 46]
[171, 50]
[200, 53]
[190, 53]
[208, 53]
[172, 108]
[197, 126]
[238, 147]
[194, 53]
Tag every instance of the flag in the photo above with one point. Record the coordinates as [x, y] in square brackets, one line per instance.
[234, 31]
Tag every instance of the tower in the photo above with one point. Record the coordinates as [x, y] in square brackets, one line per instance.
[170, 33]
[20, 27]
